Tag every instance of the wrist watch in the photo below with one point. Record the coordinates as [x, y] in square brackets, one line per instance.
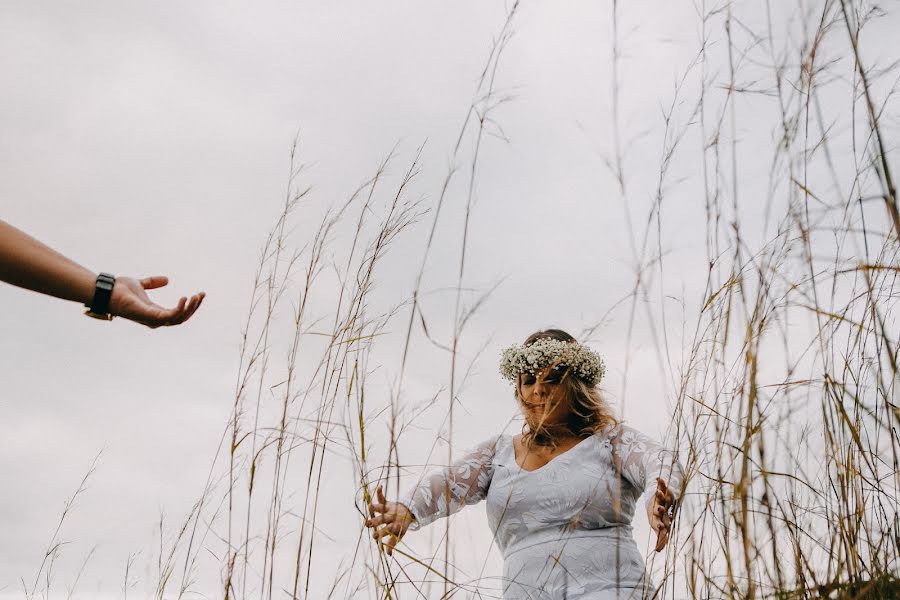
[99, 306]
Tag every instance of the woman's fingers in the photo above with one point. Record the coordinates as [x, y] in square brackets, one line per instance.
[387, 536]
[663, 520]
[660, 507]
[662, 488]
[386, 531]
[662, 499]
[661, 527]
[661, 524]
[391, 543]
[662, 539]
[380, 506]
[388, 520]
[377, 507]
[381, 512]
[381, 519]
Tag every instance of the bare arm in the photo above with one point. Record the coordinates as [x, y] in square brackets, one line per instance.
[27, 263]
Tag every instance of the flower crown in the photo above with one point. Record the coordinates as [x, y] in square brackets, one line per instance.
[544, 352]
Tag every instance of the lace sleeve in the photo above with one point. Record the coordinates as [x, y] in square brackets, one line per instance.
[466, 481]
[641, 460]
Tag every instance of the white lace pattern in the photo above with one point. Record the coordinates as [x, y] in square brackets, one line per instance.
[564, 529]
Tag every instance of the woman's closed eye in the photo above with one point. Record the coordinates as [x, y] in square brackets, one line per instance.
[531, 380]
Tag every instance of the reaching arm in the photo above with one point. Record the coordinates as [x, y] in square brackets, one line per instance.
[27, 263]
[445, 491]
[653, 469]
[465, 481]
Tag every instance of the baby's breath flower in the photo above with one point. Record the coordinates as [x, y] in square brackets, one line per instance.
[542, 353]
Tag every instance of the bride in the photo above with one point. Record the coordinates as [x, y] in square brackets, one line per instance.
[561, 495]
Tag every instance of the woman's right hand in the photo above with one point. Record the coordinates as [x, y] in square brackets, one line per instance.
[388, 519]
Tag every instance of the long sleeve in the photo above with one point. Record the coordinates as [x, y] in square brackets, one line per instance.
[641, 460]
[466, 481]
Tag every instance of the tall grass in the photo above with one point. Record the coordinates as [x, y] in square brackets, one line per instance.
[786, 406]
[784, 392]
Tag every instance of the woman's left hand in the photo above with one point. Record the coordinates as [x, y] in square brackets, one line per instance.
[659, 515]
[389, 520]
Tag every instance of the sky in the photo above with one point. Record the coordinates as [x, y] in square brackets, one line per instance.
[155, 138]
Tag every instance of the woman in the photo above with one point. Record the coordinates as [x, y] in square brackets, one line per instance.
[561, 495]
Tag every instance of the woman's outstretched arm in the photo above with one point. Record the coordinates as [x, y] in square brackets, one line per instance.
[440, 493]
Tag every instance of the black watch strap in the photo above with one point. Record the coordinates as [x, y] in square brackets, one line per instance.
[99, 306]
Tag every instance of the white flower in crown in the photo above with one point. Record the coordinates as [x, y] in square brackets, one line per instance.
[544, 352]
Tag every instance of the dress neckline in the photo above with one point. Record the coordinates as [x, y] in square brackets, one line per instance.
[512, 446]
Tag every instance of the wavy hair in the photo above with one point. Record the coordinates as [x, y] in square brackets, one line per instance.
[589, 412]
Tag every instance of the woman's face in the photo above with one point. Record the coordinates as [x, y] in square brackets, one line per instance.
[543, 397]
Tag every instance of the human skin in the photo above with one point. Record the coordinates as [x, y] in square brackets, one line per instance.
[28, 263]
[543, 402]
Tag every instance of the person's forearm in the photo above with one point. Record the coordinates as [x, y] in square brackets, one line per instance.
[25, 262]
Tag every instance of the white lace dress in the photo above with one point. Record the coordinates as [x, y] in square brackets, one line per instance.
[564, 530]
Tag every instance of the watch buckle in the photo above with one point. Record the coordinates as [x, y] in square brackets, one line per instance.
[102, 316]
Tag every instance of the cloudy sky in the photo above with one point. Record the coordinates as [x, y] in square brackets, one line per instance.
[154, 138]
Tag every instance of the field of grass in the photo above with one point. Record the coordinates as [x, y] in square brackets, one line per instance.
[785, 392]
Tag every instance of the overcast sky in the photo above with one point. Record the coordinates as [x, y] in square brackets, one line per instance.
[154, 138]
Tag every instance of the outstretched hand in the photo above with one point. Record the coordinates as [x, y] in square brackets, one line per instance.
[388, 520]
[659, 513]
[130, 301]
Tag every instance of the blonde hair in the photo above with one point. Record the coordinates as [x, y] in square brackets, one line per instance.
[589, 412]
